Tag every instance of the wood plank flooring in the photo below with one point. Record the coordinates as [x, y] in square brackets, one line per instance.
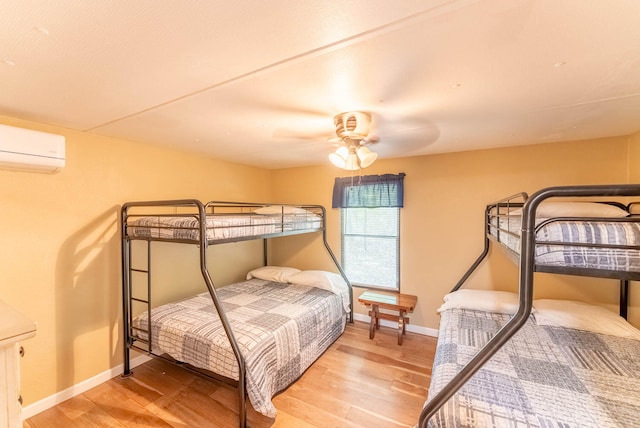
[357, 382]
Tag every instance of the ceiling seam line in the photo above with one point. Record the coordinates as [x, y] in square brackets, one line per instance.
[308, 54]
[584, 103]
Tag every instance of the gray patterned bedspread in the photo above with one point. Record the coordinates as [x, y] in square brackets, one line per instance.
[606, 232]
[281, 330]
[543, 377]
[220, 227]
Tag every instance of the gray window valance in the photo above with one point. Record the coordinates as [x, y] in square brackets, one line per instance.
[369, 191]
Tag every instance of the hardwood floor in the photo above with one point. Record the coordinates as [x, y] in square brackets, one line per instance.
[356, 383]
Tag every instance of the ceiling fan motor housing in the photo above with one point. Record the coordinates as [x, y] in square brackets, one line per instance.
[352, 125]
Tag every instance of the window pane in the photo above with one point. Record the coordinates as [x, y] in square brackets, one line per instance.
[371, 261]
[371, 221]
[370, 246]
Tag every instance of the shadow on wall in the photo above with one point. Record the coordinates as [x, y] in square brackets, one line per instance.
[89, 290]
[88, 299]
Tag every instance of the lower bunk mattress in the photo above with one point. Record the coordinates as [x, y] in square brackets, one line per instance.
[281, 329]
[545, 376]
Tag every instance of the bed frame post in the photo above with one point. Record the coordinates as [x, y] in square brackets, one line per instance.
[335, 261]
[242, 395]
[624, 298]
[482, 255]
[508, 330]
[265, 252]
[126, 281]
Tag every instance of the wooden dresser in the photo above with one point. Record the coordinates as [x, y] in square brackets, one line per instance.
[14, 328]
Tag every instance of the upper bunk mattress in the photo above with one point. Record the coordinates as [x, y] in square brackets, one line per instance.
[603, 235]
[281, 329]
[220, 227]
[543, 377]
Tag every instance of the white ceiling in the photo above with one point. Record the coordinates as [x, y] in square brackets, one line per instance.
[258, 82]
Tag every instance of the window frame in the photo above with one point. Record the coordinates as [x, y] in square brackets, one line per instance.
[392, 288]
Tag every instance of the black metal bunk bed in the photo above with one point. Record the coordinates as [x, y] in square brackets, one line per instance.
[522, 249]
[190, 221]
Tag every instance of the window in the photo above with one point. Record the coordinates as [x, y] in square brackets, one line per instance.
[370, 217]
[371, 246]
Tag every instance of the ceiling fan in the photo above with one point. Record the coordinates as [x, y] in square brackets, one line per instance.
[352, 128]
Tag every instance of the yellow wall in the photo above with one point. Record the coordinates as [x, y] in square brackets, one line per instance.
[634, 158]
[442, 221]
[60, 262]
[60, 252]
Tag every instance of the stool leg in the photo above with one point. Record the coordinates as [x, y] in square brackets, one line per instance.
[401, 327]
[377, 311]
[374, 323]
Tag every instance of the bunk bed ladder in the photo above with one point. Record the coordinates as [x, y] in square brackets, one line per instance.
[146, 301]
[129, 299]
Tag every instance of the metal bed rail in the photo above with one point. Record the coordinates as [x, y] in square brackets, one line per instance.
[195, 209]
[226, 222]
[527, 267]
[501, 228]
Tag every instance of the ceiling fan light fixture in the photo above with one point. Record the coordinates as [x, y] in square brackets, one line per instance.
[353, 128]
[366, 156]
[352, 158]
[339, 158]
[352, 162]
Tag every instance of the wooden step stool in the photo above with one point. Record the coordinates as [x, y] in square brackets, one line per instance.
[403, 303]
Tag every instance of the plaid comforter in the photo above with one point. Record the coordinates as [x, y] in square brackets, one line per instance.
[591, 232]
[219, 227]
[281, 330]
[543, 377]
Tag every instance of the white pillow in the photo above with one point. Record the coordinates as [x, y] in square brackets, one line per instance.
[326, 280]
[280, 209]
[321, 279]
[502, 302]
[273, 273]
[583, 316]
[551, 209]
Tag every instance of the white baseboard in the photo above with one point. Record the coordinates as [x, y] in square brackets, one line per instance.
[410, 327]
[59, 397]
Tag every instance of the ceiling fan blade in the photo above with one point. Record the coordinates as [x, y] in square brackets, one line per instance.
[370, 139]
[291, 134]
[280, 107]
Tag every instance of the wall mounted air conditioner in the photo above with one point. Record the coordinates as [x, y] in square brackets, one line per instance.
[25, 149]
